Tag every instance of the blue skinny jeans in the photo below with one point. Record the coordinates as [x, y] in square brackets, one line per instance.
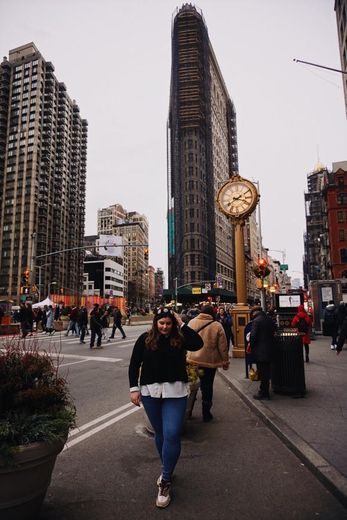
[166, 415]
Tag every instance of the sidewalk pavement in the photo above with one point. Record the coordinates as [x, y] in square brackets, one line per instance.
[313, 427]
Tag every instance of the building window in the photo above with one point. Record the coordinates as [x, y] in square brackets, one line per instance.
[343, 256]
[340, 216]
[341, 235]
[342, 198]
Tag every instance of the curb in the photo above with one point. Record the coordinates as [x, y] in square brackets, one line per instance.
[328, 475]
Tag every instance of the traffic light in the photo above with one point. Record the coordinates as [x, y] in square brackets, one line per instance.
[262, 264]
[261, 269]
[146, 252]
[26, 276]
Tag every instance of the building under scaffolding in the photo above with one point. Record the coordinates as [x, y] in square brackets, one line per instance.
[202, 154]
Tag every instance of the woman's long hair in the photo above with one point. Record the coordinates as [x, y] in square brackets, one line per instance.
[153, 338]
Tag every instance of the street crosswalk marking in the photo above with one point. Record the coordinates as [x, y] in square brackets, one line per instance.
[73, 363]
[101, 427]
[57, 338]
[80, 429]
[62, 355]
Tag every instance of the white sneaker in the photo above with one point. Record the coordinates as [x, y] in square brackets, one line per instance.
[332, 347]
[163, 498]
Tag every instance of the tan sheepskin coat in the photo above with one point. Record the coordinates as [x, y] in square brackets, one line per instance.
[214, 353]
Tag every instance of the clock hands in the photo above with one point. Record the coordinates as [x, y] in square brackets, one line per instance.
[240, 197]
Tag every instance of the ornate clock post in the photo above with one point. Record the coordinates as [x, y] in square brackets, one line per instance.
[237, 199]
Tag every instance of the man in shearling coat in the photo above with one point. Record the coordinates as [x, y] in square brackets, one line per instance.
[212, 355]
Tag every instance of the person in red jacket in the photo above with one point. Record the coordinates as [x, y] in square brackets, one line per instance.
[303, 323]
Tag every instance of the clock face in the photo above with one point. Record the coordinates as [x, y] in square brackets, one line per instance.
[237, 198]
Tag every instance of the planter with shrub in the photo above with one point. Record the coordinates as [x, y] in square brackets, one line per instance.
[36, 414]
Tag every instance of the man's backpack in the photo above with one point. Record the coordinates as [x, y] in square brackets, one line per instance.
[302, 326]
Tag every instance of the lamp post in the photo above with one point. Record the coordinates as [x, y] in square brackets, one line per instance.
[176, 292]
[39, 267]
[49, 288]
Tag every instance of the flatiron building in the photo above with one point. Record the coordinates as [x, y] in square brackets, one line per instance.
[43, 151]
[202, 154]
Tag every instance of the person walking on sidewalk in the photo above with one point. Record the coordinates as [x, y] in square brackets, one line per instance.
[303, 323]
[82, 322]
[73, 323]
[214, 354]
[330, 323]
[105, 323]
[158, 378]
[95, 326]
[117, 323]
[226, 320]
[340, 314]
[342, 336]
[262, 343]
[49, 329]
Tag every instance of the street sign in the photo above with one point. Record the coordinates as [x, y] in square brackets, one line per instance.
[284, 267]
[196, 290]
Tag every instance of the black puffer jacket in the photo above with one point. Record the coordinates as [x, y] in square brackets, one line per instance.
[262, 340]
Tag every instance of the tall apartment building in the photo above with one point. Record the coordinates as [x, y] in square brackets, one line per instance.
[133, 227]
[202, 154]
[341, 19]
[43, 151]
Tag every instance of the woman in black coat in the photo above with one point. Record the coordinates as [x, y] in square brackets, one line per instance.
[262, 342]
[158, 378]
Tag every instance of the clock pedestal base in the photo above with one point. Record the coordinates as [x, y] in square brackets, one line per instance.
[240, 314]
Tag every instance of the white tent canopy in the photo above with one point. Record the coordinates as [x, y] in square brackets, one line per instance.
[47, 302]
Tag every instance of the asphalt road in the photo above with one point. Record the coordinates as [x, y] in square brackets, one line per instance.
[231, 468]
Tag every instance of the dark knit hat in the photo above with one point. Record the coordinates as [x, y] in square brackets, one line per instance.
[166, 312]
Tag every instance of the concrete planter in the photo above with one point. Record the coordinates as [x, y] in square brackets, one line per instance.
[23, 486]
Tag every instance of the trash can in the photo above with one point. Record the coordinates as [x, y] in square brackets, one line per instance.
[288, 373]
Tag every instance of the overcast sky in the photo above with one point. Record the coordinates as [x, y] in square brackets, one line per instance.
[114, 57]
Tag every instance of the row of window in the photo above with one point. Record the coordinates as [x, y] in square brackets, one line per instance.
[193, 227]
[25, 66]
